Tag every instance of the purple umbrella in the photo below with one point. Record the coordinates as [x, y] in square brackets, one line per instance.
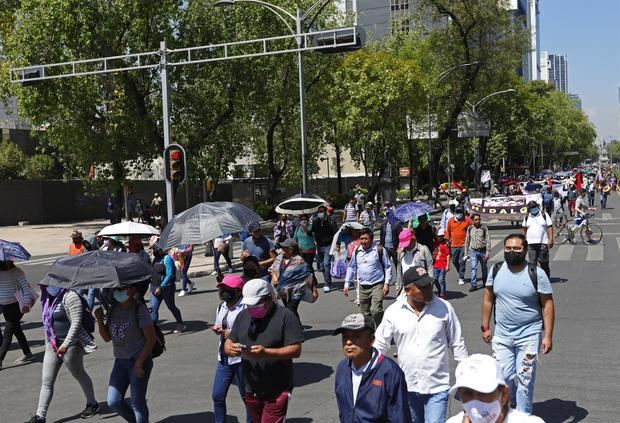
[411, 210]
[13, 251]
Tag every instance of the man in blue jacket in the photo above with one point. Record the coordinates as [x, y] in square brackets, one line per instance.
[369, 386]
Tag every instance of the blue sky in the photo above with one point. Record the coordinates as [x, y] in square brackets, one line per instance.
[588, 32]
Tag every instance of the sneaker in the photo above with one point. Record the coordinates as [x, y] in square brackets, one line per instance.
[36, 419]
[214, 273]
[26, 358]
[473, 288]
[326, 289]
[179, 329]
[182, 293]
[90, 411]
[191, 287]
[461, 281]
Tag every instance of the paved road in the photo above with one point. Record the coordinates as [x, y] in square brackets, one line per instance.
[577, 382]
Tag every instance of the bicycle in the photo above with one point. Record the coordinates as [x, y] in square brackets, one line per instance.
[590, 233]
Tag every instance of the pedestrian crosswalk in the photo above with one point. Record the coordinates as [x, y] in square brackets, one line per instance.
[571, 252]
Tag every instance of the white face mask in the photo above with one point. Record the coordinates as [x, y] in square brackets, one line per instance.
[482, 412]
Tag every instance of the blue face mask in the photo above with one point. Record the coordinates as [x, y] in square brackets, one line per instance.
[120, 296]
[320, 215]
[535, 211]
[459, 216]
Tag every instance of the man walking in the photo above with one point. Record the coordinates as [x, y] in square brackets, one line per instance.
[350, 213]
[456, 232]
[369, 386]
[259, 246]
[368, 217]
[537, 227]
[388, 236]
[371, 266]
[424, 327]
[522, 297]
[411, 253]
[77, 243]
[323, 230]
[477, 248]
[447, 214]
[268, 337]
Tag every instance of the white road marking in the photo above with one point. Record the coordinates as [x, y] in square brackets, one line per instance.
[606, 216]
[595, 253]
[564, 253]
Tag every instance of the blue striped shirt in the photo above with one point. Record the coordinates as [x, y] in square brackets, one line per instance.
[368, 267]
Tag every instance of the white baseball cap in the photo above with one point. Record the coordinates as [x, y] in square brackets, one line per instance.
[479, 372]
[254, 290]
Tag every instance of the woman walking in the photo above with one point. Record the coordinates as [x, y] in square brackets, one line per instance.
[292, 277]
[130, 328]
[163, 287]
[305, 240]
[283, 229]
[13, 279]
[66, 341]
[228, 368]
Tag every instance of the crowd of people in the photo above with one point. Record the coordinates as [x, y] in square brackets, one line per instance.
[260, 330]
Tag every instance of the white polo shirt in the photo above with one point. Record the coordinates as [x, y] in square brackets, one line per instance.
[537, 228]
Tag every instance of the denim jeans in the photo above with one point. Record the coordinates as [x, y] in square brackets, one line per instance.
[457, 260]
[217, 255]
[518, 359]
[324, 261]
[428, 408]
[123, 377]
[167, 295]
[101, 295]
[478, 256]
[224, 375]
[184, 279]
[440, 276]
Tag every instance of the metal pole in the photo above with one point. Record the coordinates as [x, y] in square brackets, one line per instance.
[430, 153]
[166, 117]
[302, 106]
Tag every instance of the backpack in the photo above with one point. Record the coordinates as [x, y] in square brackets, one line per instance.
[160, 341]
[88, 320]
[544, 215]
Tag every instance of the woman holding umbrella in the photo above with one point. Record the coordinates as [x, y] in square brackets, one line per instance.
[66, 341]
[130, 328]
[291, 276]
[13, 279]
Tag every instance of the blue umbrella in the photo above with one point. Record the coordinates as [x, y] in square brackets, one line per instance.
[411, 210]
[13, 251]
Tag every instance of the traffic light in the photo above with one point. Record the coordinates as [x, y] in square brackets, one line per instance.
[174, 164]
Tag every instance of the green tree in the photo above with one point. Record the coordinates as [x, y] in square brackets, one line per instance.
[11, 160]
[40, 166]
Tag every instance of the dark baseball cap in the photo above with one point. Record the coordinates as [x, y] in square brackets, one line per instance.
[418, 276]
[532, 204]
[254, 226]
[288, 243]
[355, 322]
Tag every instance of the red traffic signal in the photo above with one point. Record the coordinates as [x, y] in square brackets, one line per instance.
[174, 164]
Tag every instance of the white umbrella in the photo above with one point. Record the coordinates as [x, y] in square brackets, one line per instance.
[300, 204]
[128, 229]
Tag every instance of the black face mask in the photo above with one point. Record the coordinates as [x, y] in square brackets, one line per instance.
[228, 296]
[514, 258]
[250, 273]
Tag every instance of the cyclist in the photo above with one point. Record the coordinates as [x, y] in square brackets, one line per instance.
[581, 208]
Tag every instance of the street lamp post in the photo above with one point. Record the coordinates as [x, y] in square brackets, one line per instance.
[434, 84]
[299, 18]
[474, 109]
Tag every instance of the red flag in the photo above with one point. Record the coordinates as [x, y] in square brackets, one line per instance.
[579, 180]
